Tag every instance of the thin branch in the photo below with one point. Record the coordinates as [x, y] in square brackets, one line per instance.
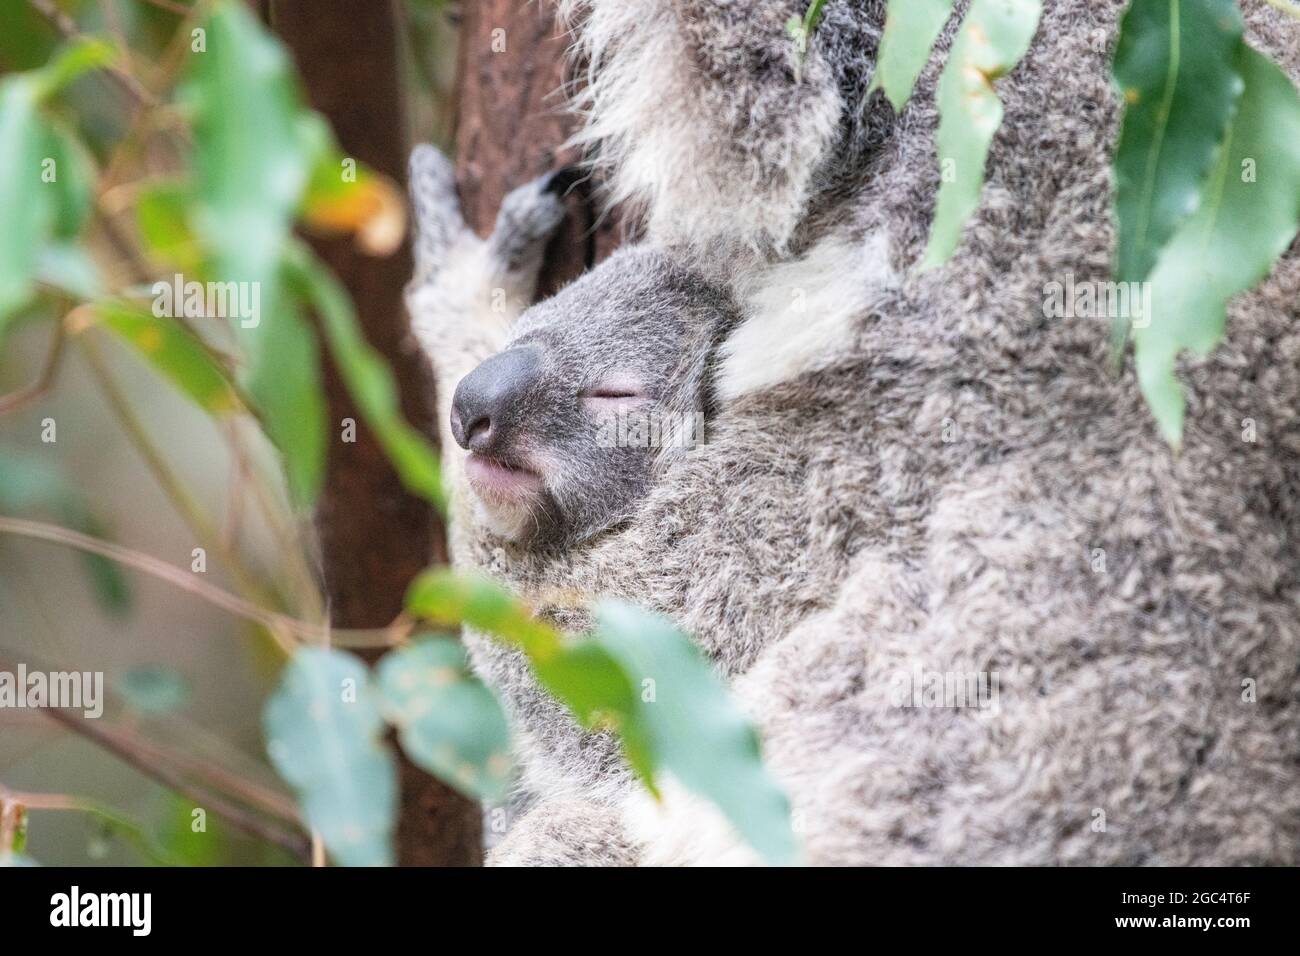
[19, 800]
[170, 482]
[278, 624]
[45, 381]
[67, 28]
[297, 844]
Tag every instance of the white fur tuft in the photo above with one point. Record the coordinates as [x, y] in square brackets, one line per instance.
[800, 314]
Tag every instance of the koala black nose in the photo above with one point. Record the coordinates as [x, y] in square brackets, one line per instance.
[487, 400]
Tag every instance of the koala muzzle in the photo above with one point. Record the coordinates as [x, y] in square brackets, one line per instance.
[488, 400]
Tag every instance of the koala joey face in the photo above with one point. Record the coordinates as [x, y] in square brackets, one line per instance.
[597, 390]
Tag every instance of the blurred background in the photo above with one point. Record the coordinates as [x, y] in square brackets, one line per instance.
[134, 463]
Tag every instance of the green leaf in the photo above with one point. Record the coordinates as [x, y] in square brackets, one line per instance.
[187, 846]
[285, 385]
[39, 199]
[367, 376]
[251, 157]
[72, 183]
[171, 349]
[448, 722]
[161, 215]
[911, 27]
[70, 269]
[443, 596]
[582, 676]
[77, 57]
[324, 735]
[28, 213]
[694, 729]
[1248, 217]
[31, 483]
[991, 41]
[344, 196]
[152, 690]
[1176, 67]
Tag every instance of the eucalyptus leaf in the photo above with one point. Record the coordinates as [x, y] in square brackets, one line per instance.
[286, 386]
[31, 482]
[911, 27]
[29, 214]
[443, 596]
[448, 722]
[694, 729]
[71, 180]
[324, 734]
[174, 351]
[153, 690]
[77, 57]
[251, 160]
[70, 269]
[992, 39]
[1176, 68]
[582, 676]
[367, 376]
[162, 219]
[1248, 217]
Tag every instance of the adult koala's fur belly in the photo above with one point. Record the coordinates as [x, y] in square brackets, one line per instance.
[954, 483]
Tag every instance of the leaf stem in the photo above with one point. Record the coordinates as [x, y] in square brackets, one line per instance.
[171, 484]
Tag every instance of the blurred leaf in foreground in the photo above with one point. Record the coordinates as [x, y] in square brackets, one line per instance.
[1248, 218]
[367, 376]
[695, 731]
[175, 353]
[152, 690]
[1176, 68]
[45, 174]
[251, 160]
[448, 722]
[911, 27]
[991, 41]
[29, 483]
[324, 734]
[344, 196]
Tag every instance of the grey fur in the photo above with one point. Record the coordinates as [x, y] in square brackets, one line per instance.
[935, 490]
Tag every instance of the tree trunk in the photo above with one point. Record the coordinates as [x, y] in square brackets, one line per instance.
[511, 126]
[374, 536]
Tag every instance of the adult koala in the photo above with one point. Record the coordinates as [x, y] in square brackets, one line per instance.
[925, 474]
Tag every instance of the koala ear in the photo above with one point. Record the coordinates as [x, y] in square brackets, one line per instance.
[435, 209]
[528, 218]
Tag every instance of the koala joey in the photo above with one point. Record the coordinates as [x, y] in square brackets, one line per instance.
[556, 419]
[921, 474]
[561, 414]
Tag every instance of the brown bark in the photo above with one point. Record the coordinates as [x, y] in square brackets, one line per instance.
[511, 126]
[374, 536]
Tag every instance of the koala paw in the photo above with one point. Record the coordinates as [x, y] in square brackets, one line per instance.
[528, 217]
